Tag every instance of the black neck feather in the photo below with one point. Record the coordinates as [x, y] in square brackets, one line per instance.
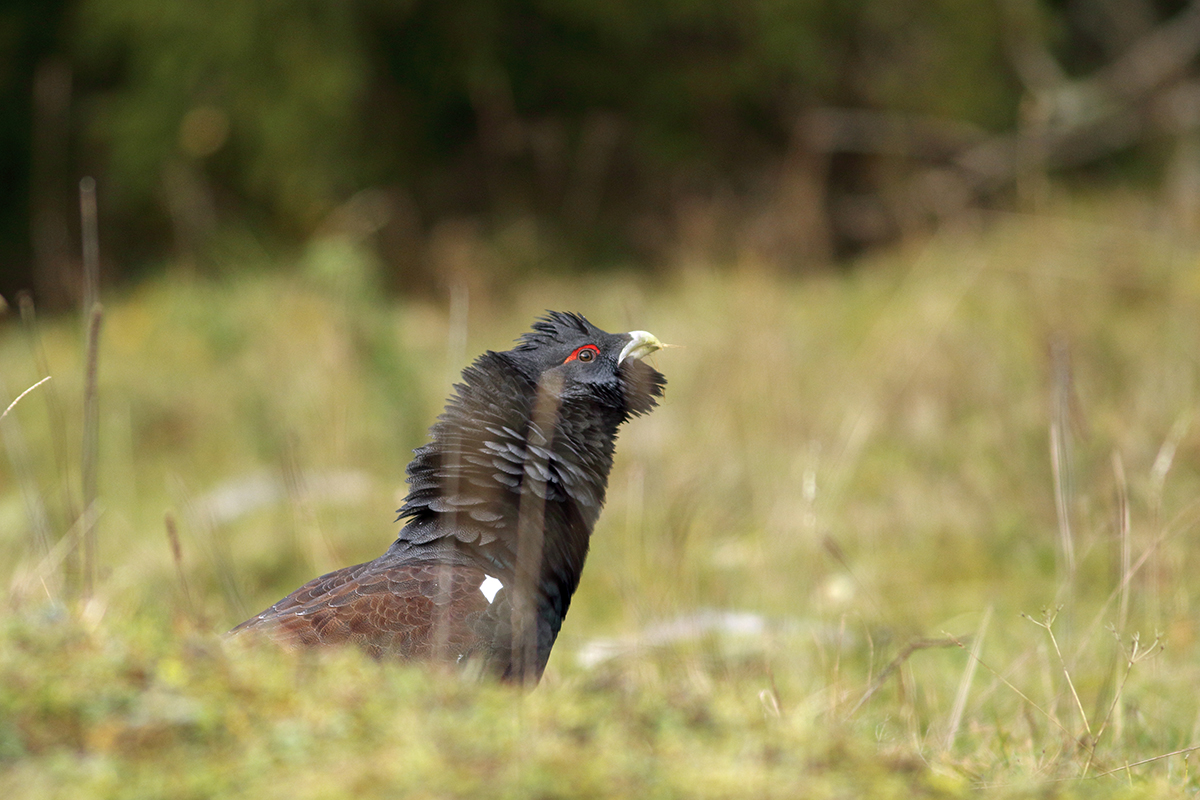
[501, 457]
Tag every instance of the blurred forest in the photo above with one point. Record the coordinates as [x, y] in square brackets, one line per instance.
[566, 134]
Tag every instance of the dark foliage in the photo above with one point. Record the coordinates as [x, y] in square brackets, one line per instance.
[615, 129]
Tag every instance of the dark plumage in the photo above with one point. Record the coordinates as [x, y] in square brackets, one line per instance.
[500, 510]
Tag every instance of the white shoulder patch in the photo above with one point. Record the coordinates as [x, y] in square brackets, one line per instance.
[489, 587]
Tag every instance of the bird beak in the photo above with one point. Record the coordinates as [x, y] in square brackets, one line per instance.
[641, 344]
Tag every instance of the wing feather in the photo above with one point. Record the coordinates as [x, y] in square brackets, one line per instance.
[412, 611]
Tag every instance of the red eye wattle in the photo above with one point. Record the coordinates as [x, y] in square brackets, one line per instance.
[589, 352]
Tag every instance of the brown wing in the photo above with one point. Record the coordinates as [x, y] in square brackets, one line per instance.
[415, 611]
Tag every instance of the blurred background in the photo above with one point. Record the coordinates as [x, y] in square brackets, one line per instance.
[566, 135]
[934, 267]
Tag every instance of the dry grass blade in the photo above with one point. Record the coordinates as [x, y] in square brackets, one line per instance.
[89, 455]
[30, 325]
[22, 394]
[830, 545]
[43, 573]
[19, 454]
[1060, 451]
[208, 533]
[17, 447]
[91, 242]
[964, 686]
[456, 354]
[1122, 538]
[531, 518]
[1151, 760]
[1185, 520]
[177, 558]
[1166, 457]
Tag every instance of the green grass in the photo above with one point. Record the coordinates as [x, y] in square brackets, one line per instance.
[862, 461]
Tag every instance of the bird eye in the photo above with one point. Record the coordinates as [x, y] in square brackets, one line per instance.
[587, 353]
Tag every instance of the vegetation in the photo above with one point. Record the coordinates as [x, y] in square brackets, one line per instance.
[922, 530]
[605, 132]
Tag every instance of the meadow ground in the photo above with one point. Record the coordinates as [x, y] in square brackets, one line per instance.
[923, 529]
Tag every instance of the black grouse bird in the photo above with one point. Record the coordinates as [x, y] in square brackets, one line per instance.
[500, 510]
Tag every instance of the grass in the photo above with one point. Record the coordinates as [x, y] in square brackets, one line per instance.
[923, 529]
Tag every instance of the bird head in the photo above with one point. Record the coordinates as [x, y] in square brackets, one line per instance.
[572, 358]
[566, 384]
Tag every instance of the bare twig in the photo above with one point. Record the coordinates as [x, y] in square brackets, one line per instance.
[897, 662]
[1052, 718]
[872, 132]
[1048, 624]
[1132, 656]
[1155, 58]
[1025, 46]
[1074, 122]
